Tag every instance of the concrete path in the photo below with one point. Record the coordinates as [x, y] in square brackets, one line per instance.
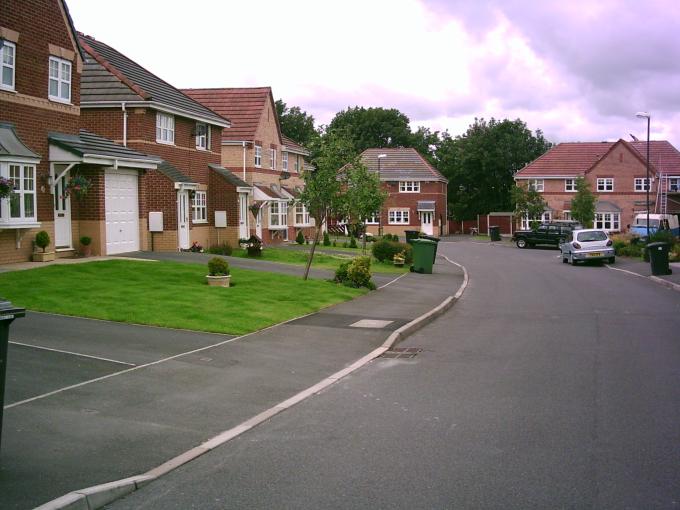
[92, 402]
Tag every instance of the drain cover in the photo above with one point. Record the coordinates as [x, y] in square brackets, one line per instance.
[370, 323]
[402, 352]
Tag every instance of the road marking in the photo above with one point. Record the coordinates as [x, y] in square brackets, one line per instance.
[74, 353]
[392, 281]
[624, 271]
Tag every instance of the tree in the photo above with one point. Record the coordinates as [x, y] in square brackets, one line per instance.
[373, 127]
[528, 204]
[296, 124]
[583, 203]
[362, 195]
[322, 194]
[481, 164]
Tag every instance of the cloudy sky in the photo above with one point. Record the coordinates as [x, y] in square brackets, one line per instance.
[579, 69]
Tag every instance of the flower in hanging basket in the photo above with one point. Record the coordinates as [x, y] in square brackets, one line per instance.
[78, 186]
[6, 187]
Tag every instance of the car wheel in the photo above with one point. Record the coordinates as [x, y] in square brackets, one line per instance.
[564, 259]
[572, 260]
[522, 243]
[612, 260]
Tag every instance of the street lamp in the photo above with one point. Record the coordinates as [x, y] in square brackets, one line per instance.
[645, 115]
[380, 229]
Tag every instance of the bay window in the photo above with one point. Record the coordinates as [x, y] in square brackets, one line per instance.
[301, 214]
[609, 221]
[20, 206]
[278, 215]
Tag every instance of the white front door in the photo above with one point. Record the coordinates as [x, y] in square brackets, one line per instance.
[121, 211]
[258, 222]
[62, 215]
[183, 219]
[426, 222]
[243, 232]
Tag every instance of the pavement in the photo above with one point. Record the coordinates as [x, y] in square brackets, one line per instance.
[95, 409]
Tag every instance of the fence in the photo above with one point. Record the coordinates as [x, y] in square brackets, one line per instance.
[504, 220]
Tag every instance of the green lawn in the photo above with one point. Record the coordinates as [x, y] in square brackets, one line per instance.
[321, 260]
[170, 294]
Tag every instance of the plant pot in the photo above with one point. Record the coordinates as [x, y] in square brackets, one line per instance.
[85, 251]
[254, 251]
[46, 256]
[218, 281]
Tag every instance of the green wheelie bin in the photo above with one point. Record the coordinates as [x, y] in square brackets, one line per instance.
[436, 240]
[411, 235]
[8, 313]
[423, 255]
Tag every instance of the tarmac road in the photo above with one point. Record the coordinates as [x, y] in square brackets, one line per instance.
[546, 386]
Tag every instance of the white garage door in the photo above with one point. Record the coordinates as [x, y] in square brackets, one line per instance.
[122, 211]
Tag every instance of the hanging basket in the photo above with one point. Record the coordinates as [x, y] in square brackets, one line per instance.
[6, 187]
[77, 187]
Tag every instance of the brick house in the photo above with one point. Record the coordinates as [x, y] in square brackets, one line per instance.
[417, 191]
[42, 145]
[189, 198]
[255, 150]
[616, 172]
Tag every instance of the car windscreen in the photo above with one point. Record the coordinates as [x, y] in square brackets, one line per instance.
[595, 235]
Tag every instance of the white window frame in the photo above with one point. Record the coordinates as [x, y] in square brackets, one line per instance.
[409, 186]
[199, 207]
[11, 64]
[272, 159]
[545, 217]
[26, 186]
[258, 156]
[674, 184]
[63, 83]
[202, 139]
[570, 185]
[605, 184]
[284, 161]
[297, 163]
[608, 221]
[278, 214]
[301, 215]
[536, 184]
[639, 184]
[373, 219]
[165, 128]
[566, 215]
[398, 216]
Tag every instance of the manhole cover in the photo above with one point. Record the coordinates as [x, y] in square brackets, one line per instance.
[402, 352]
[371, 323]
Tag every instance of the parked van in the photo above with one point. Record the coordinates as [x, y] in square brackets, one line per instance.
[656, 222]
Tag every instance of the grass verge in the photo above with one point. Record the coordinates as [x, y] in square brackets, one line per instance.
[170, 294]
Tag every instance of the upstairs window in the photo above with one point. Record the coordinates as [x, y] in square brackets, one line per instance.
[202, 136]
[60, 80]
[284, 161]
[536, 185]
[258, 156]
[272, 159]
[409, 186]
[8, 65]
[605, 184]
[570, 185]
[641, 184]
[165, 128]
[297, 163]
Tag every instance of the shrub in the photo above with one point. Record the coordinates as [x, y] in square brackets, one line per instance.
[335, 243]
[352, 242]
[341, 272]
[326, 239]
[218, 267]
[345, 244]
[221, 249]
[86, 240]
[664, 236]
[42, 240]
[384, 251]
[300, 237]
[355, 273]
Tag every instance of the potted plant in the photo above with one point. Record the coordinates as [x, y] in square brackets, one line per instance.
[6, 187]
[42, 240]
[399, 259]
[254, 246]
[86, 248]
[218, 272]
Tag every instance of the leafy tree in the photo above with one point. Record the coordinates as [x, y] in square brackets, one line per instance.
[427, 143]
[528, 203]
[373, 127]
[322, 194]
[583, 203]
[296, 124]
[481, 164]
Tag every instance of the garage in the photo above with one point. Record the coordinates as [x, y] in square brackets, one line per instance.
[122, 211]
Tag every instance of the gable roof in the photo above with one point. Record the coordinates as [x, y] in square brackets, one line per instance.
[578, 158]
[402, 163]
[292, 146]
[111, 77]
[242, 106]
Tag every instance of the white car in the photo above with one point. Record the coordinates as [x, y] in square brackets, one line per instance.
[587, 244]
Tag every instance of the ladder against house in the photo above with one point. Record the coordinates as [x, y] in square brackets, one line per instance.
[661, 206]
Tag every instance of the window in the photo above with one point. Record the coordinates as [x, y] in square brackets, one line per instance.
[297, 163]
[607, 221]
[8, 65]
[202, 136]
[60, 80]
[566, 215]
[570, 185]
[278, 215]
[536, 185]
[284, 161]
[373, 219]
[674, 184]
[258, 156]
[272, 159]
[605, 184]
[409, 187]
[199, 207]
[641, 184]
[543, 218]
[19, 207]
[301, 214]
[398, 216]
[165, 128]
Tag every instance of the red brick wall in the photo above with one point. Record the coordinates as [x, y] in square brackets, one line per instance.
[435, 191]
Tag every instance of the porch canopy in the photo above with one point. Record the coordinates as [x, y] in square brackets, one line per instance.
[240, 185]
[426, 205]
[182, 181]
[603, 206]
[13, 149]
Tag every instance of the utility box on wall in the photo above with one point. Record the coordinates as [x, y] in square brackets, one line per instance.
[221, 219]
[155, 222]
